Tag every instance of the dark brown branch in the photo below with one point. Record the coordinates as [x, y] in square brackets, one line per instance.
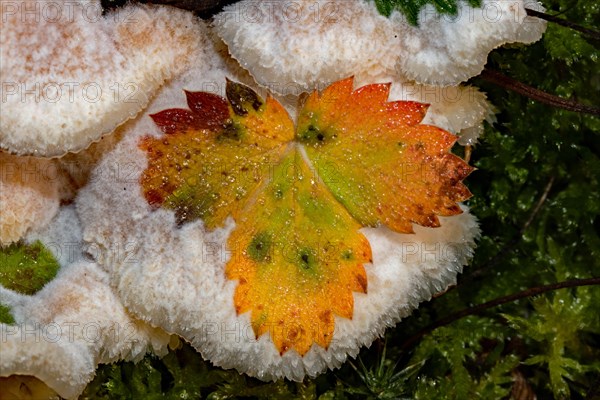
[196, 6]
[536, 94]
[494, 303]
[563, 22]
[203, 8]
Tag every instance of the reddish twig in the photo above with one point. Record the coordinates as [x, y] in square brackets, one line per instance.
[536, 94]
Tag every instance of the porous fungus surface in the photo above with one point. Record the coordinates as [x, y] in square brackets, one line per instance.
[29, 195]
[177, 274]
[71, 75]
[310, 44]
[446, 50]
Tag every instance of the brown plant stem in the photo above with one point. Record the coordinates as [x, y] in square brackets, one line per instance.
[496, 302]
[563, 22]
[536, 94]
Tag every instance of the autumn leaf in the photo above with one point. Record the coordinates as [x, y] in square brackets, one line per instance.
[378, 161]
[214, 155]
[300, 196]
[295, 247]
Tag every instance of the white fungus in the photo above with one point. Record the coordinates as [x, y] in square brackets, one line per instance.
[62, 332]
[307, 44]
[74, 75]
[311, 43]
[174, 276]
[29, 195]
[447, 50]
[71, 75]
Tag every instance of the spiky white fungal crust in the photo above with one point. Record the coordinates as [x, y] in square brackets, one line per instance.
[446, 50]
[174, 276]
[29, 195]
[311, 43]
[71, 75]
[65, 367]
[62, 332]
[297, 46]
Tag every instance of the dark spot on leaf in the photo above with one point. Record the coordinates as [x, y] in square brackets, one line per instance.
[242, 98]
[347, 255]
[326, 317]
[259, 248]
[293, 333]
[313, 135]
[230, 131]
[306, 259]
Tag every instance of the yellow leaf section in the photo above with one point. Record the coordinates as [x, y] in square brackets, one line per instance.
[298, 256]
[378, 161]
[209, 172]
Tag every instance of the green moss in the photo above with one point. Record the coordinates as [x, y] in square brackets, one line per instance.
[26, 268]
[5, 315]
[411, 8]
